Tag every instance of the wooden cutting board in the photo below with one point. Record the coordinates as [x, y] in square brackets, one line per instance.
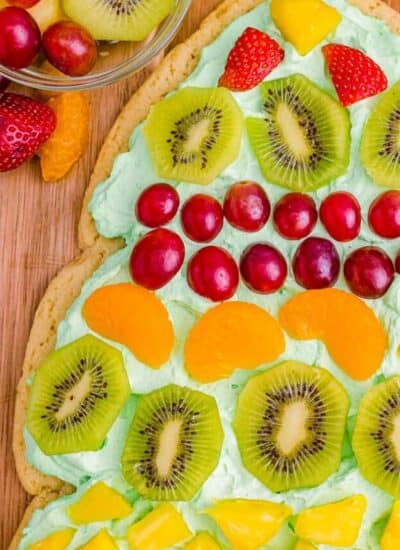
[37, 237]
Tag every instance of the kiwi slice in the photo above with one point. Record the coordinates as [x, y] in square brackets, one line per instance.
[194, 134]
[376, 436]
[173, 444]
[380, 143]
[303, 140]
[290, 423]
[131, 20]
[76, 395]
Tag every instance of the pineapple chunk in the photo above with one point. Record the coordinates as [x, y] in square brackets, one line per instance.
[202, 541]
[391, 535]
[248, 524]
[337, 524]
[102, 541]
[304, 23]
[47, 12]
[304, 545]
[99, 503]
[56, 541]
[161, 528]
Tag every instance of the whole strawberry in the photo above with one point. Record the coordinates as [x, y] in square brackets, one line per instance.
[252, 58]
[25, 124]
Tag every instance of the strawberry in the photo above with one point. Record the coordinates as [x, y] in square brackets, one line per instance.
[251, 59]
[354, 75]
[25, 124]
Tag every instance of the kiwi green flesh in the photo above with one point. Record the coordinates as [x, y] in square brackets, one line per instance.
[76, 395]
[173, 444]
[380, 144]
[376, 436]
[303, 140]
[290, 423]
[194, 134]
[125, 20]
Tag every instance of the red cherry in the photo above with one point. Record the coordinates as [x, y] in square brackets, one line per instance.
[384, 215]
[157, 205]
[22, 3]
[295, 216]
[213, 273]
[263, 268]
[4, 83]
[340, 213]
[202, 218]
[156, 258]
[19, 38]
[316, 263]
[369, 272]
[70, 48]
[397, 262]
[246, 206]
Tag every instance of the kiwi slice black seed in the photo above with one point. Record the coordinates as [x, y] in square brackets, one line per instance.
[76, 395]
[194, 134]
[290, 424]
[376, 436]
[173, 444]
[130, 20]
[303, 140]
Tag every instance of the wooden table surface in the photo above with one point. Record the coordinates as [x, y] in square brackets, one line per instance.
[38, 235]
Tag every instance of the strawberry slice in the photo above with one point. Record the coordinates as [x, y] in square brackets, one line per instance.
[25, 124]
[251, 59]
[354, 75]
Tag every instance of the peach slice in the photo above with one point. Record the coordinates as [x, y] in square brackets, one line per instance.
[102, 541]
[353, 335]
[99, 503]
[202, 541]
[229, 336]
[134, 317]
[55, 541]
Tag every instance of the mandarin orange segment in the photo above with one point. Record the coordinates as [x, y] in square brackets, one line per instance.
[353, 335]
[134, 317]
[229, 336]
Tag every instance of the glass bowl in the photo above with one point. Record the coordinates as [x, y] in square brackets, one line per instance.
[115, 60]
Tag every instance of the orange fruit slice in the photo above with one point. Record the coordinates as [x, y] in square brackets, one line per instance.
[134, 317]
[353, 335]
[229, 336]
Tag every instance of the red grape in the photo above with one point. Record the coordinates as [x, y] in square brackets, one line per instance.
[156, 258]
[213, 273]
[202, 218]
[316, 263]
[4, 83]
[19, 38]
[384, 215]
[157, 205]
[340, 213]
[22, 3]
[263, 268]
[70, 48]
[369, 272]
[397, 262]
[246, 206]
[295, 216]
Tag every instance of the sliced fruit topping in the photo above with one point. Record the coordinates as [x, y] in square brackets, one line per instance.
[173, 444]
[251, 59]
[99, 503]
[56, 541]
[70, 138]
[336, 524]
[352, 333]
[135, 317]
[295, 216]
[203, 541]
[194, 134]
[304, 23]
[47, 12]
[369, 272]
[76, 395]
[263, 268]
[102, 541]
[232, 335]
[157, 205]
[304, 545]
[302, 142]
[316, 263]
[249, 524]
[391, 534]
[354, 75]
[290, 424]
[340, 213]
[246, 206]
[380, 144]
[19, 38]
[384, 215]
[202, 218]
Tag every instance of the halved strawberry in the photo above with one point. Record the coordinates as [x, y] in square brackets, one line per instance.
[354, 75]
[251, 59]
[25, 124]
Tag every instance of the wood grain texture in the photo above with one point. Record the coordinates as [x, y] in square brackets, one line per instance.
[38, 236]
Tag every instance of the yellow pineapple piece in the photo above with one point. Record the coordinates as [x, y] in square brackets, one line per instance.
[391, 535]
[337, 523]
[304, 545]
[47, 12]
[202, 541]
[248, 524]
[101, 541]
[160, 529]
[56, 541]
[304, 23]
[99, 503]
